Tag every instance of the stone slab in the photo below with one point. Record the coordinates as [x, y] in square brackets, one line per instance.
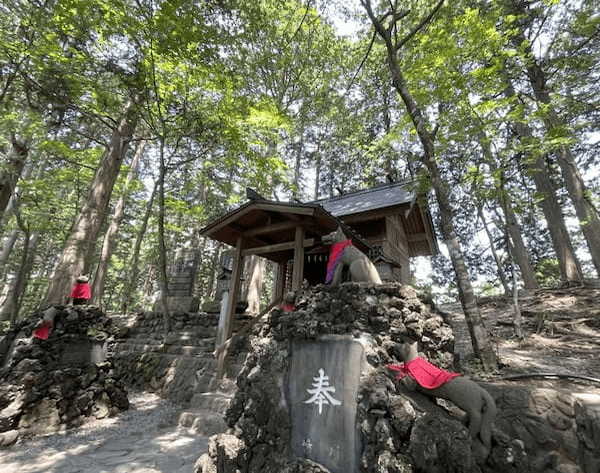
[83, 352]
[323, 419]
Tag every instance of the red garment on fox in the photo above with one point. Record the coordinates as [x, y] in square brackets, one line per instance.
[81, 290]
[427, 375]
[335, 254]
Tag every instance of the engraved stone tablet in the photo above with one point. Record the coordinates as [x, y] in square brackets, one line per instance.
[322, 389]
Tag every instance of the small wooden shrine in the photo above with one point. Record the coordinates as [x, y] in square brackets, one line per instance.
[386, 222]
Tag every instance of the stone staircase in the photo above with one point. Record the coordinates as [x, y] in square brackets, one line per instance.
[206, 413]
[181, 367]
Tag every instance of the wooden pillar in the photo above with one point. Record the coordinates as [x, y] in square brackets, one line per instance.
[298, 274]
[232, 300]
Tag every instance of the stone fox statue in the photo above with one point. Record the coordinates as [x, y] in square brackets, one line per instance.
[343, 253]
[466, 394]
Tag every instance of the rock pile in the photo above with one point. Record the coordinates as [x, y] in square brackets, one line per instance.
[50, 385]
[399, 430]
[259, 419]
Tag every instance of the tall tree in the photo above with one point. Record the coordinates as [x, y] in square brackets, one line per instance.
[388, 29]
[557, 129]
[111, 235]
[87, 224]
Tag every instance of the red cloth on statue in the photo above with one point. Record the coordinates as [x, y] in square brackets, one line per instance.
[288, 307]
[81, 290]
[427, 375]
[44, 331]
[335, 253]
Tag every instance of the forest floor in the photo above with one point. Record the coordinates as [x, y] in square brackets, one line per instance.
[562, 336]
[562, 330]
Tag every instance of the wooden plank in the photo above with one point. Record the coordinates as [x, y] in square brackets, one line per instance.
[418, 237]
[232, 217]
[286, 209]
[234, 288]
[290, 245]
[298, 274]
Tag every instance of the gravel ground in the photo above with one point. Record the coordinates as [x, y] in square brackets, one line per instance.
[144, 439]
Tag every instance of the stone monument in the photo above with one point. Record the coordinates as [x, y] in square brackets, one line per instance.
[182, 276]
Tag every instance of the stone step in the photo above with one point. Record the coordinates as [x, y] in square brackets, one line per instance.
[203, 421]
[175, 336]
[189, 350]
[213, 401]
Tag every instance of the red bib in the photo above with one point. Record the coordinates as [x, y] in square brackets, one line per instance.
[427, 375]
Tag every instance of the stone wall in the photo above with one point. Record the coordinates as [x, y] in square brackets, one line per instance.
[398, 430]
[50, 385]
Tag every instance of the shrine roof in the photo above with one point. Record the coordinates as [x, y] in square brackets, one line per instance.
[380, 197]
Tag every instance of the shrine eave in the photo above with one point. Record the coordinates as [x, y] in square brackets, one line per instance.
[268, 228]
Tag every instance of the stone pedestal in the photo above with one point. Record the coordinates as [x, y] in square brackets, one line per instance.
[322, 393]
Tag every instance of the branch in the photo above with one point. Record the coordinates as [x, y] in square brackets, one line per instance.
[385, 34]
[362, 63]
[301, 21]
[419, 26]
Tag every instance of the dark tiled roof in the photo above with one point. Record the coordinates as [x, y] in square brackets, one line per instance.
[380, 197]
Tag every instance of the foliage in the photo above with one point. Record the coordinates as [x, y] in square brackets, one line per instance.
[269, 95]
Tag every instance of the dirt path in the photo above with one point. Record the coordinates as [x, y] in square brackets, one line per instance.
[144, 439]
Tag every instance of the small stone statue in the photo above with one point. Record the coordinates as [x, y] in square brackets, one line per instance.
[465, 393]
[344, 253]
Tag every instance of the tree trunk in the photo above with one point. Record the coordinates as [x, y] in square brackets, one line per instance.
[11, 171]
[587, 214]
[298, 167]
[570, 269]
[135, 257]
[162, 247]
[7, 247]
[501, 274]
[254, 283]
[87, 224]
[12, 304]
[214, 273]
[110, 237]
[518, 249]
[482, 345]
[317, 175]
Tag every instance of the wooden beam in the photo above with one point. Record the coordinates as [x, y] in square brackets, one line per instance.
[274, 227]
[425, 216]
[298, 274]
[260, 250]
[234, 289]
[286, 209]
